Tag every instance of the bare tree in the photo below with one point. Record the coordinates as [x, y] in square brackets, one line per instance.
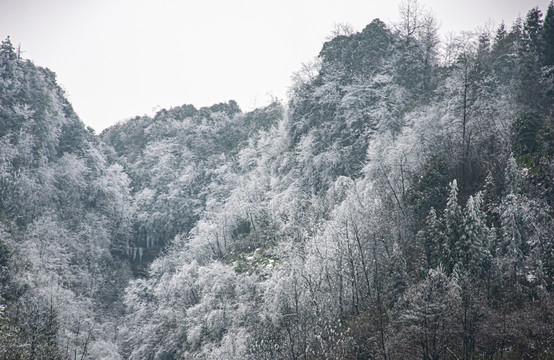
[416, 21]
[340, 29]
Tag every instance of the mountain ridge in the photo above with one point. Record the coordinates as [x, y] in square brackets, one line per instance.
[398, 206]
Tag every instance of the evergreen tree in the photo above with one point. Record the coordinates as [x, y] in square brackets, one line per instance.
[430, 239]
[7, 51]
[511, 176]
[8, 70]
[530, 92]
[474, 255]
[525, 132]
[504, 51]
[548, 36]
[281, 229]
[490, 198]
[501, 34]
[532, 30]
[512, 246]
[452, 220]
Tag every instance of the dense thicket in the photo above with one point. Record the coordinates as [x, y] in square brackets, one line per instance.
[398, 207]
[175, 161]
[65, 219]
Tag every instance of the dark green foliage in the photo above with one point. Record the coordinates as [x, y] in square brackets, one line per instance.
[533, 146]
[429, 188]
[532, 140]
[7, 51]
[532, 30]
[230, 108]
[504, 48]
[359, 54]
[531, 94]
[525, 134]
[473, 246]
[451, 253]
[548, 36]
[73, 136]
[430, 239]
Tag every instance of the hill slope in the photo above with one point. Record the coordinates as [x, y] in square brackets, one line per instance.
[401, 207]
[65, 220]
[398, 206]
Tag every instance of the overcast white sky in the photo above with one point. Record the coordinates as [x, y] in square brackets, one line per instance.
[121, 58]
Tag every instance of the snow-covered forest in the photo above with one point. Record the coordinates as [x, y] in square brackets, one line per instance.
[399, 205]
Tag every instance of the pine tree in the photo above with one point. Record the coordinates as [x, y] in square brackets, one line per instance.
[8, 66]
[530, 93]
[430, 239]
[511, 177]
[504, 50]
[473, 253]
[490, 198]
[547, 59]
[532, 30]
[511, 247]
[7, 51]
[492, 243]
[452, 220]
[501, 33]
[548, 36]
